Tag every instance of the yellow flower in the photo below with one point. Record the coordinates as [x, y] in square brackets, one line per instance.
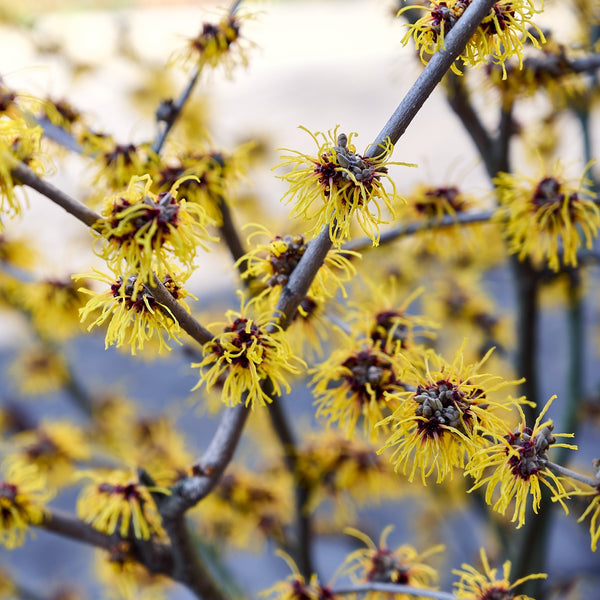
[518, 464]
[545, 217]
[220, 44]
[247, 354]
[126, 579]
[132, 315]
[54, 306]
[499, 36]
[346, 472]
[23, 495]
[380, 564]
[295, 586]
[246, 508]
[338, 184]
[447, 418]
[116, 500]
[207, 178]
[378, 314]
[117, 163]
[39, 370]
[272, 263]
[54, 448]
[148, 231]
[358, 381]
[8, 589]
[19, 143]
[593, 509]
[474, 585]
[155, 442]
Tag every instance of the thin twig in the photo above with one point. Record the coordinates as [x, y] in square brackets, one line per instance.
[591, 481]
[289, 445]
[399, 231]
[192, 327]
[174, 111]
[391, 588]
[26, 176]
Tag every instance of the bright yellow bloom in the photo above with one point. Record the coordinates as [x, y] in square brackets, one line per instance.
[19, 143]
[338, 184]
[117, 500]
[54, 448]
[447, 418]
[147, 231]
[518, 463]
[39, 370]
[499, 36]
[380, 564]
[132, 315]
[474, 585]
[272, 263]
[545, 217]
[23, 495]
[358, 381]
[220, 44]
[247, 354]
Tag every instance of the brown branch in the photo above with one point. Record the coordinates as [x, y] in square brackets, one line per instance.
[26, 176]
[394, 233]
[192, 327]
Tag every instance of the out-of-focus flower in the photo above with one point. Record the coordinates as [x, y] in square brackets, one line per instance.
[518, 467]
[357, 382]
[380, 564]
[54, 448]
[247, 354]
[207, 178]
[430, 205]
[116, 500]
[448, 417]
[127, 579]
[147, 232]
[377, 312]
[23, 496]
[345, 472]
[499, 36]
[154, 441]
[545, 217]
[246, 508]
[117, 163]
[19, 143]
[272, 263]
[39, 370]
[592, 510]
[337, 184]
[54, 306]
[8, 589]
[295, 586]
[133, 317]
[220, 44]
[474, 585]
